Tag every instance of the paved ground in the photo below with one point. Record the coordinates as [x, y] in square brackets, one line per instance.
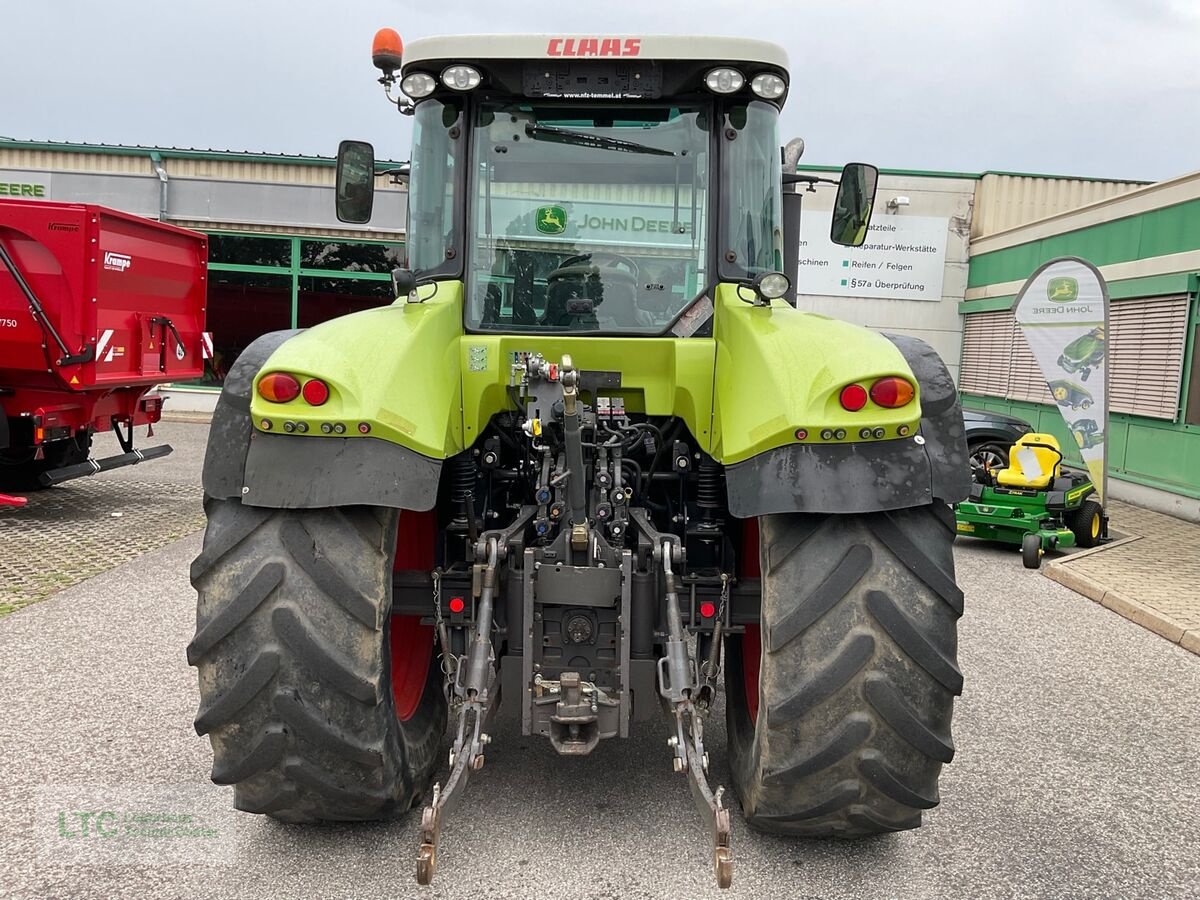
[89, 525]
[1153, 577]
[1076, 776]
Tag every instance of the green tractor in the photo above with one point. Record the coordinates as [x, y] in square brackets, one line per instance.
[1087, 433]
[592, 459]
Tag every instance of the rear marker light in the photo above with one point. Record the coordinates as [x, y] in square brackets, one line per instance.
[853, 397]
[278, 387]
[316, 392]
[708, 609]
[892, 392]
[864, 433]
[326, 428]
[827, 434]
[802, 434]
[878, 433]
[840, 434]
[266, 425]
[902, 430]
[289, 427]
[339, 428]
[457, 604]
[302, 427]
[364, 427]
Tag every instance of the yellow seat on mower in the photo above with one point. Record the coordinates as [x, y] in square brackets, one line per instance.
[1031, 466]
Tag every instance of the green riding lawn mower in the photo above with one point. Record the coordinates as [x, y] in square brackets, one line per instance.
[1035, 502]
[591, 460]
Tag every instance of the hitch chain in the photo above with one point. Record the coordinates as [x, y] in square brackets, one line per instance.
[680, 687]
[449, 662]
[474, 692]
[710, 670]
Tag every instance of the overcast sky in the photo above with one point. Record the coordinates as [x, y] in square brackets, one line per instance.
[1108, 88]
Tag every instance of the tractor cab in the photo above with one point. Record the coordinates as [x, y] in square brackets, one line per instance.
[594, 186]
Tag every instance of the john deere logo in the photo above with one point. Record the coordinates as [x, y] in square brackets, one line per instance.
[1062, 290]
[551, 219]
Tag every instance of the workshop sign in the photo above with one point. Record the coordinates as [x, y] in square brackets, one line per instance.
[1063, 313]
[903, 258]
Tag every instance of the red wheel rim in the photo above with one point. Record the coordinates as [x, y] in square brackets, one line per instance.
[410, 642]
[412, 651]
[752, 640]
[751, 654]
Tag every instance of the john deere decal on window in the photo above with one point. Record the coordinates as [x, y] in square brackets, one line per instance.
[551, 219]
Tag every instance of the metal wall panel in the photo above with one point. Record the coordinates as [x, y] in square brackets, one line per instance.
[215, 204]
[60, 160]
[1006, 201]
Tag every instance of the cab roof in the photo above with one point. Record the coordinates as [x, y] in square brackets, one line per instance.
[477, 47]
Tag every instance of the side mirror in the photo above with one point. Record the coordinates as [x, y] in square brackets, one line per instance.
[853, 204]
[355, 181]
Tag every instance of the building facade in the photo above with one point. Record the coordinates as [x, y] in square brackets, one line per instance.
[1146, 243]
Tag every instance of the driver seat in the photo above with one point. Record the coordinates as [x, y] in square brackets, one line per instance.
[1032, 467]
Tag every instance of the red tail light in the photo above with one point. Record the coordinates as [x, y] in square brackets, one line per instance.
[278, 387]
[892, 392]
[853, 398]
[316, 392]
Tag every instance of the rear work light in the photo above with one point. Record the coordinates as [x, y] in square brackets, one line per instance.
[853, 397]
[461, 78]
[315, 392]
[892, 392]
[278, 387]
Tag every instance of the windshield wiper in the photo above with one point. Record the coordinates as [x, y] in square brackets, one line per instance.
[599, 142]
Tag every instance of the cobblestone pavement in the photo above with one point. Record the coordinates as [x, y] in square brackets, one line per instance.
[87, 526]
[1151, 577]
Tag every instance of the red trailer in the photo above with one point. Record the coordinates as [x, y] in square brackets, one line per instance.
[96, 308]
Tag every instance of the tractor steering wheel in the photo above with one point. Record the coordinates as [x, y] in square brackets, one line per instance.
[602, 259]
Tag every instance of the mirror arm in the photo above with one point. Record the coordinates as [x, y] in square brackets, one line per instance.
[807, 179]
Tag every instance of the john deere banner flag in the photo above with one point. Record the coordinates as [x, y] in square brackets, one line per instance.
[1063, 312]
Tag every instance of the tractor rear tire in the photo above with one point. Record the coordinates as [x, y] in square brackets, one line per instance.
[293, 647]
[840, 724]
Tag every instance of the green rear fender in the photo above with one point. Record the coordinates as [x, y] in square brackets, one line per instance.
[395, 368]
[780, 370]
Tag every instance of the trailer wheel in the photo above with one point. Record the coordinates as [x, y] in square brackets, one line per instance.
[319, 704]
[840, 724]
